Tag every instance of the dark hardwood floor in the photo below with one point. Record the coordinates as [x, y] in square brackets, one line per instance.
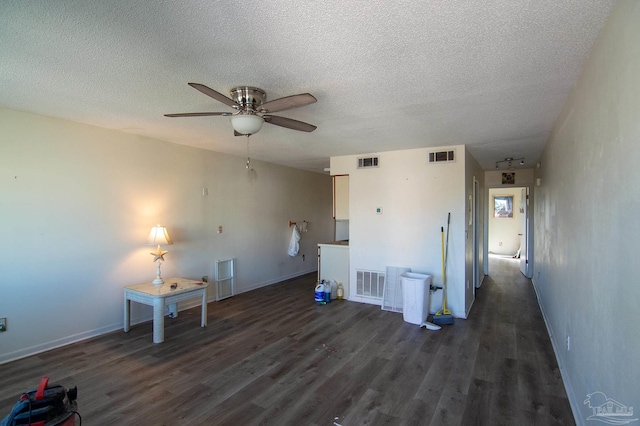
[271, 356]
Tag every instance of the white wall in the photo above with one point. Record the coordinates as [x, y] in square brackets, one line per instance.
[77, 203]
[587, 228]
[523, 177]
[504, 233]
[415, 197]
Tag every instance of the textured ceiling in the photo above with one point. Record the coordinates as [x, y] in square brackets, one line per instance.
[387, 74]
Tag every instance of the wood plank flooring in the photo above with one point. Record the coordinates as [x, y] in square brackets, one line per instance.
[271, 356]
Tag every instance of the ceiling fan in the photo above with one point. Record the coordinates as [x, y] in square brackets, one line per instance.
[253, 109]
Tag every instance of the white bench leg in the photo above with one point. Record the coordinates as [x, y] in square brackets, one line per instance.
[158, 320]
[127, 314]
[173, 310]
[203, 322]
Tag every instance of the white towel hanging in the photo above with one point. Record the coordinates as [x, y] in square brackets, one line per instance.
[294, 245]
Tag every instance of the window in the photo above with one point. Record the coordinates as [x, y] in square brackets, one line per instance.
[503, 206]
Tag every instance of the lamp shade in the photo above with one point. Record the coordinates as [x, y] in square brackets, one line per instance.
[246, 124]
[159, 236]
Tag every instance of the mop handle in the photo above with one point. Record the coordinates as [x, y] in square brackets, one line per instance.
[444, 275]
[446, 251]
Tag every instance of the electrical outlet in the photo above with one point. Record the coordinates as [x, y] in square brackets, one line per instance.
[568, 343]
[3, 324]
[205, 278]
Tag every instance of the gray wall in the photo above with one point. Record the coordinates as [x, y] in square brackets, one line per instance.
[586, 221]
[79, 201]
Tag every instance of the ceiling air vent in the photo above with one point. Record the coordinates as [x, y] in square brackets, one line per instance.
[367, 162]
[442, 157]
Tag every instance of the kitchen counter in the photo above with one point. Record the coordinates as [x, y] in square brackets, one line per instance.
[333, 263]
[344, 243]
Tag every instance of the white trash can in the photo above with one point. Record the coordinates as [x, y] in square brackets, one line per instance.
[415, 294]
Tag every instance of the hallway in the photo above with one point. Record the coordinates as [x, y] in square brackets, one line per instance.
[515, 379]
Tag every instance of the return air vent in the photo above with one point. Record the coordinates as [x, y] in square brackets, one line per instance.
[370, 284]
[442, 157]
[366, 162]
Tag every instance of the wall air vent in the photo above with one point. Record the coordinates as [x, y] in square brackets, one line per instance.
[442, 156]
[366, 162]
[369, 284]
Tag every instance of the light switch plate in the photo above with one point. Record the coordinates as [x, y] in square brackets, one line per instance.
[3, 324]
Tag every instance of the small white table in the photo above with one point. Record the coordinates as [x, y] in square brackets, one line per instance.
[159, 296]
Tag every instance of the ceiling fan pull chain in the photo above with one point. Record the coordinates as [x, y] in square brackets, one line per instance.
[248, 156]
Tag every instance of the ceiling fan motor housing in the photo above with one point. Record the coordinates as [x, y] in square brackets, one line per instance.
[249, 97]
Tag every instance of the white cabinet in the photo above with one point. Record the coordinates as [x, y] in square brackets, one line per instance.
[341, 197]
[333, 264]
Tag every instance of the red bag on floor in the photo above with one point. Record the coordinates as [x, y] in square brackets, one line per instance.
[46, 406]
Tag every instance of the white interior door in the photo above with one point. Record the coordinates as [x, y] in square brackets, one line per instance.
[524, 231]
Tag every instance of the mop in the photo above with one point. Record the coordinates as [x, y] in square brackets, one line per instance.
[443, 316]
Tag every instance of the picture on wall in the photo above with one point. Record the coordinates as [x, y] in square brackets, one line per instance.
[503, 206]
[508, 178]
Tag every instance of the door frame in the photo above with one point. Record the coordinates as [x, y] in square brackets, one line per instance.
[476, 241]
[525, 266]
[530, 243]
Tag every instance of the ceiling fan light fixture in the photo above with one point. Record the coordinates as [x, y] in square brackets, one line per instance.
[246, 124]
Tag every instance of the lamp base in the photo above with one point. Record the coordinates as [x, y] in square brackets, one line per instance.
[158, 280]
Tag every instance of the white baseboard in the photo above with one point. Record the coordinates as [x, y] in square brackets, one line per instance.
[67, 340]
[279, 279]
[63, 341]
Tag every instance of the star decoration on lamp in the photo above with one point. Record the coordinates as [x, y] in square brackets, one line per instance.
[158, 254]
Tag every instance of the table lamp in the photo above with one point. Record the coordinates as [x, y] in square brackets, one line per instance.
[158, 236]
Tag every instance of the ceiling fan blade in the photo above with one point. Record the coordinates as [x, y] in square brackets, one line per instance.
[289, 123]
[198, 114]
[288, 102]
[215, 95]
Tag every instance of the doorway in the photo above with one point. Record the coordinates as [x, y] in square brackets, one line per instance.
[508, 226]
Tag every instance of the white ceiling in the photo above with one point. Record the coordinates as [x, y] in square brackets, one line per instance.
[388, 74]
